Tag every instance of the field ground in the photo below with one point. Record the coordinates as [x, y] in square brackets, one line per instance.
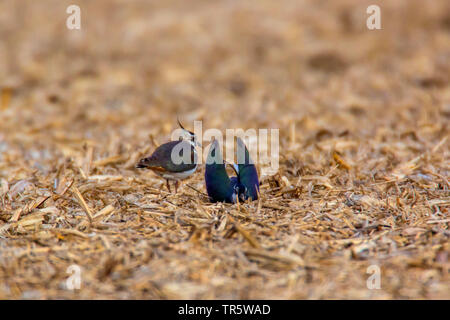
[364, 149]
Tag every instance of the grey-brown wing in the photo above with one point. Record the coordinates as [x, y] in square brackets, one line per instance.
[173, 156]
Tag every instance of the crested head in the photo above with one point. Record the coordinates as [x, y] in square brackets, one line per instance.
[188, 135]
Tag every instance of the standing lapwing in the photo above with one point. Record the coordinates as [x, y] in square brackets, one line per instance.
[170, 161]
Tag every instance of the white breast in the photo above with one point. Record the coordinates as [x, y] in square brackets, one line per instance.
[176, 175]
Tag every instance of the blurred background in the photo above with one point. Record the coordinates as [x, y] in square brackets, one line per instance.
[112, 90]
[135, 64]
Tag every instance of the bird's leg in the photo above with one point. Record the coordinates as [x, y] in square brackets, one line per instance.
[177, 183]
[168, 185]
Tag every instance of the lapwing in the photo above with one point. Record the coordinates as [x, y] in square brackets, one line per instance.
[222, 188]
[170, 161]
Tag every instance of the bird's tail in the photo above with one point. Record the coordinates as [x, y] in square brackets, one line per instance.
[145, 163]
